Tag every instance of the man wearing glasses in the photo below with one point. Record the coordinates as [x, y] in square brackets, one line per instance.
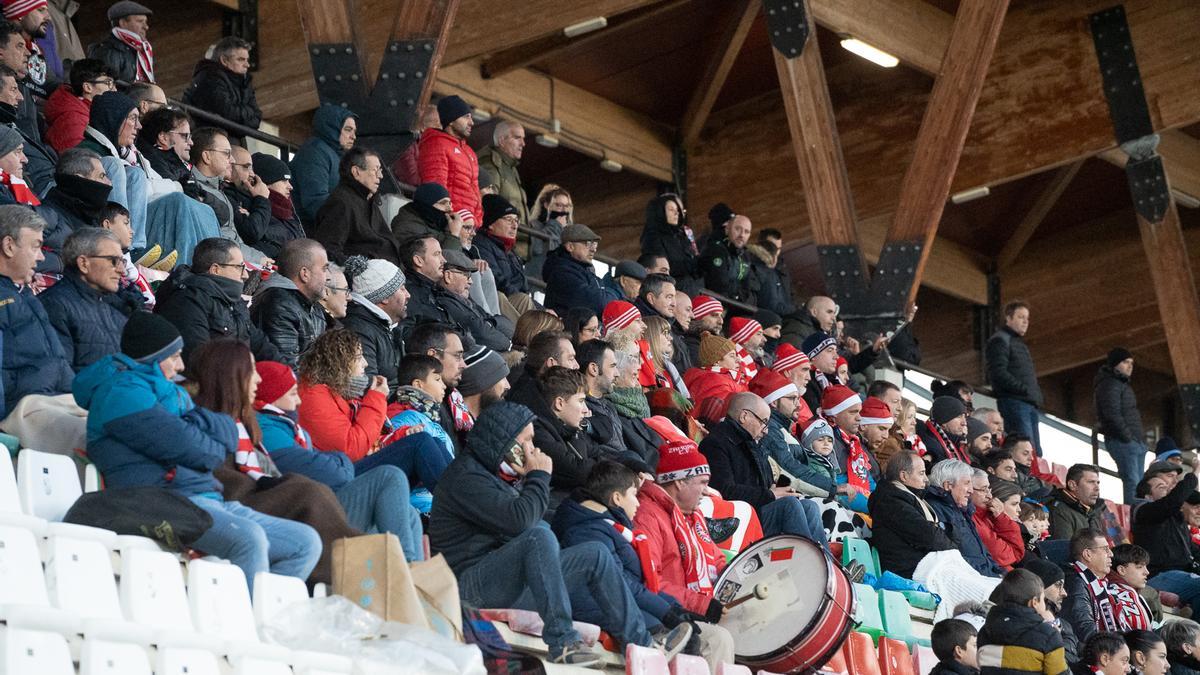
[212, 165]
[68, 107]
[571, 280]
[741, 472]
[1088, 608]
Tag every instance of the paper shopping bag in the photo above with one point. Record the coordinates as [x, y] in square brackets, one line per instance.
[371, 571]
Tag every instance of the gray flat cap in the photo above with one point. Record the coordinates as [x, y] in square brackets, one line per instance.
[126, 8]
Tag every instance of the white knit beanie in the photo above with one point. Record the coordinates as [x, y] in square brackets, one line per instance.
[373, 279]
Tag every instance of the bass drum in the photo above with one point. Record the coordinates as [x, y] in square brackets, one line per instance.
[802, 610]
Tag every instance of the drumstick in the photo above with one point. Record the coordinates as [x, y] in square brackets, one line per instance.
[760, 592]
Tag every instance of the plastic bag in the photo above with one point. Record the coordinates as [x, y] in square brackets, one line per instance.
[336, 625]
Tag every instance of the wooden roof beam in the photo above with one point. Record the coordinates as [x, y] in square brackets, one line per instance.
[913, 31]
[1037, 213]
[1181, 159]
[740, 18]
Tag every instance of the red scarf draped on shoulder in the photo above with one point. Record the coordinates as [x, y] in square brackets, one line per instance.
[858, 466]
[641, 546]
[19, 189]
[953, 450]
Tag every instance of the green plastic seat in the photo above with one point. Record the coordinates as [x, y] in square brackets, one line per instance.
[860, 551]
[897, 622]
[11, 442]
[866, 611]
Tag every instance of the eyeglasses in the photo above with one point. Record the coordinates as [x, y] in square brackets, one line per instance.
[242, 266]
[113, 260]
[337, 289]
[228, 152]
[185, 135]
[761, 420]
[104, 81]
[455, 270]
[441, 351]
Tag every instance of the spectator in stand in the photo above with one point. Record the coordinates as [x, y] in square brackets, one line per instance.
[204, 301]
[1078, 505]
[441, 342]
[65, 38]
[447, 159]
[75, 202]
[819, 314]
[113, 123]
[748, 335]
[571, 279]
[794, 365]
[944, 433]
[726, 265]
[1147, 653]
[978, 440]
[949, 495]
[716, 377]
[1052, 576]
[378, 302]
[666, 233]
[1018, 638]
[13, 189]
[87, 307]
[144, 430]
[68, 107]
[1012, 374]
[316, 164]
[657, 298]
[1104, 653]
[954, 645]
[582, 323]
[486, 521]
[496, 249]
[484, 380]
[127, 50]
[1125, 583]
[1119, 419]
[500, 159]
[39, 171]
[15, 55]
[558, 432]
[655, 264]
[1161, 526]
[905, 528]
[708, 316]
[996, 506]
[545, 350]
[624, 280]
[250, 198]
[534, 323]
[657, 366]
[994, 421]
[552, 211]
[287, 306]
[115, 218]
[629, 401]
[221, 85]
[821, 350]
[483, 280]
[741, 471]
[1088, 607]
[350, 222]
[419, 400]
[875, 432]
[854, 462]
[337, 297]
[440, 293]
[1182, 638]
[598, 364]
[406, 167]
[33, 19]
[774, 283]
[429, 214]
[212, 163]
[1000, 463]
[148, 97]
[1022, 452]
[455, 290]
[284, 225]
[165, 140]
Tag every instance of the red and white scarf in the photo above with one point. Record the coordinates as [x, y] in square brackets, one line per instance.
[145, 53]
[735, 375]
[1102, 603]
[641, 546]
[134, 277]
[299, 435]
[699, 561]
[749, 367]
[463, 420]
[1132, 611]
[19, 189]
[858, 465]
[918, 445]
[253, 460]
[953, 450]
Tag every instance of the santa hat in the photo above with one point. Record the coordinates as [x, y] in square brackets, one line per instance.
[15, 9]
[772, 386]
[875, 411]
[703, 305]
[842, 362]
[679, 459]
[277, 380]
[465, 215]
[787, 357]
[619, 314]
[838, 398]
[742, 329]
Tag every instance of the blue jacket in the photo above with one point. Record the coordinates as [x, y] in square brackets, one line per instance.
[144, 430]
[575, 524]
[33, 360]
[279, 438]
[570, 283]
[88, 322]
[315, 166]
[961, 530]
[414, 417]
[787, 452]
[507, 268]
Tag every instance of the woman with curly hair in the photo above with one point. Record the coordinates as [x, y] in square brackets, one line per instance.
[344, 410]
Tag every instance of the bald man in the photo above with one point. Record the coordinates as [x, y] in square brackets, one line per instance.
[726, 264]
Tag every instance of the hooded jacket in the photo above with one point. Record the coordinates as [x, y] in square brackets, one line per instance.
[900, 532]
[289, 319]
[960, 528]
[105, 117]
[779, 444]
[1116, 406]
[32, 357]
[88, 322]
[144, 430]
[1068, 516]
[415, 220]
[204, 307]
[223, 92]
[774, 283]
[1010, 368]
[571, 283]
[672, 242]
[315, 166]
[740, 471]
[66, 117]
[1016, 640]
[475, 511]
[350, 223]
[449, 161]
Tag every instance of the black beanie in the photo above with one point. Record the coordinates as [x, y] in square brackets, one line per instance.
[270, 169]
[946, 408]
[1047, 571]
[496, 207]
[1117, 355]
[451, 108]
[430, 193]
[149, 338]
[720, 214]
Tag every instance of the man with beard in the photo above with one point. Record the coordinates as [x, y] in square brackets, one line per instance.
[447, 159]
[726, 265]
[821, 350]
[598, 363]
[708, 315]
[440, 341]
[484, 380]
[39, 171]
[749, 336]
[33, 17]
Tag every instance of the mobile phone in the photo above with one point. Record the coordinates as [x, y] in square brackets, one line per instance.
[515, 456]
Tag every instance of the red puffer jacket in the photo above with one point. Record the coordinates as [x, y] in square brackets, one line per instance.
[67, 115]
[1001, 536]
[654, 518]
[334, 423]
[447, 160]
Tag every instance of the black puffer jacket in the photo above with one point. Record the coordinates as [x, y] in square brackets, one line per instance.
[289, 319]
[88, 323]
[415, 220]
[204, 307]
[507, 268]
[251, 216]
[1159, 527]
[1116, 406]
[673, 243]
[495, 332]
[727, 271]
[380, 344]
[740, 470]
[117, 55]
[1010, 368]
[476, 512]
[774, 283]
[64, 213]
[220, 91]
[32, 361]
[165, 162]
[901, 533]
[350, 223]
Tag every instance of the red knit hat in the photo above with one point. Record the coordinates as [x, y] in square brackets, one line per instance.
[875, 411]
[703, 305]
[15, 9]
[742, 329]
[787, 357]
[838, 398]
[772, 386]
[277, 380]
[619, 314]
[842, 362]
[680, 459]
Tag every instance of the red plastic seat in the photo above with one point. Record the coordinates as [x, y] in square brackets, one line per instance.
[894, 658]
[1043, 465]
[860, 655]
[1060, 474]
[1169, 599]
[684, 664]
[923, 659]
[837, 662]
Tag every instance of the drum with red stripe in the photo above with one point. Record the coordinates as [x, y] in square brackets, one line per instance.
[790, 606]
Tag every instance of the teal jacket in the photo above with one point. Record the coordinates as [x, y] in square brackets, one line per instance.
[315, 166]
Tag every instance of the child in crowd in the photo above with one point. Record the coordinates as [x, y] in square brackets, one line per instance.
[1104, 653]
[954, 644]
[1018, 637]
[1130, 570]
[1147, 653]
[419, 402]
[115, 217]
[1035, 523]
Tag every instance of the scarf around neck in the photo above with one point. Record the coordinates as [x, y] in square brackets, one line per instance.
[749, 368]
[1132, 611]
[145, 53]
[463, 420]
[281, 206]
[1102, 603]
[952, 448]
[411, 398]
[630, 402]
[507, 243]
[251, 459]
[19, 189]
[928, 512]
[858, 466]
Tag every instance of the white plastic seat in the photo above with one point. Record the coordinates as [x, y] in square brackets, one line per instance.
[23, 599]
[32, 651]
[273, 593]
[185, 661]
[152, 591]
[254, 665]
[320, 663]
[10, 502]
[684, 664]
[220, 601]
[79, 580]
[732, 669]
[644, 661]
[48, 484]
[91, 478]
[101, 657]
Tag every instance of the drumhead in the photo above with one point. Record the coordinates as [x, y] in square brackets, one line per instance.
[795, 573]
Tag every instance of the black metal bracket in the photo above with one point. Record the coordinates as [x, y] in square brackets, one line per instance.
[787, 25]
[243, 23]
[679, 171]
[391, 106]
[894, 276]
[1119, 70]
[1189, 395]
[1148, 186]
[844, 275]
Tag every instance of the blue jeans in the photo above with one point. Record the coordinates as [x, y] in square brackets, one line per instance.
[419, 455]
[129, 189]
[1131, 464]
[531, 571]
[1021, 417]
[378, 500]
[1184, 584]
[792, 515]
[257, 542]
[177, 223]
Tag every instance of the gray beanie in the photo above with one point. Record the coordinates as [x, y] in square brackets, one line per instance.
[373, 279]
[10, 139]
[483, 370]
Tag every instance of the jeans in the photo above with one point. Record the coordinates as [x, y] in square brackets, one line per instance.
[257, 542]
[1131, 464]
[530, 570]
[129, 189]
[419, 455]
[792, 515]
[378, 500]
[177, 223]
[1184, 584]
[1021, 418]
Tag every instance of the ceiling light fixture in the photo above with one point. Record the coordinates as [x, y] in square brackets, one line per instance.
[872, 54]
[546, 140]
[1184, 199]
[609, 165]
[970, 195]
[577, 29]
[480, 115]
